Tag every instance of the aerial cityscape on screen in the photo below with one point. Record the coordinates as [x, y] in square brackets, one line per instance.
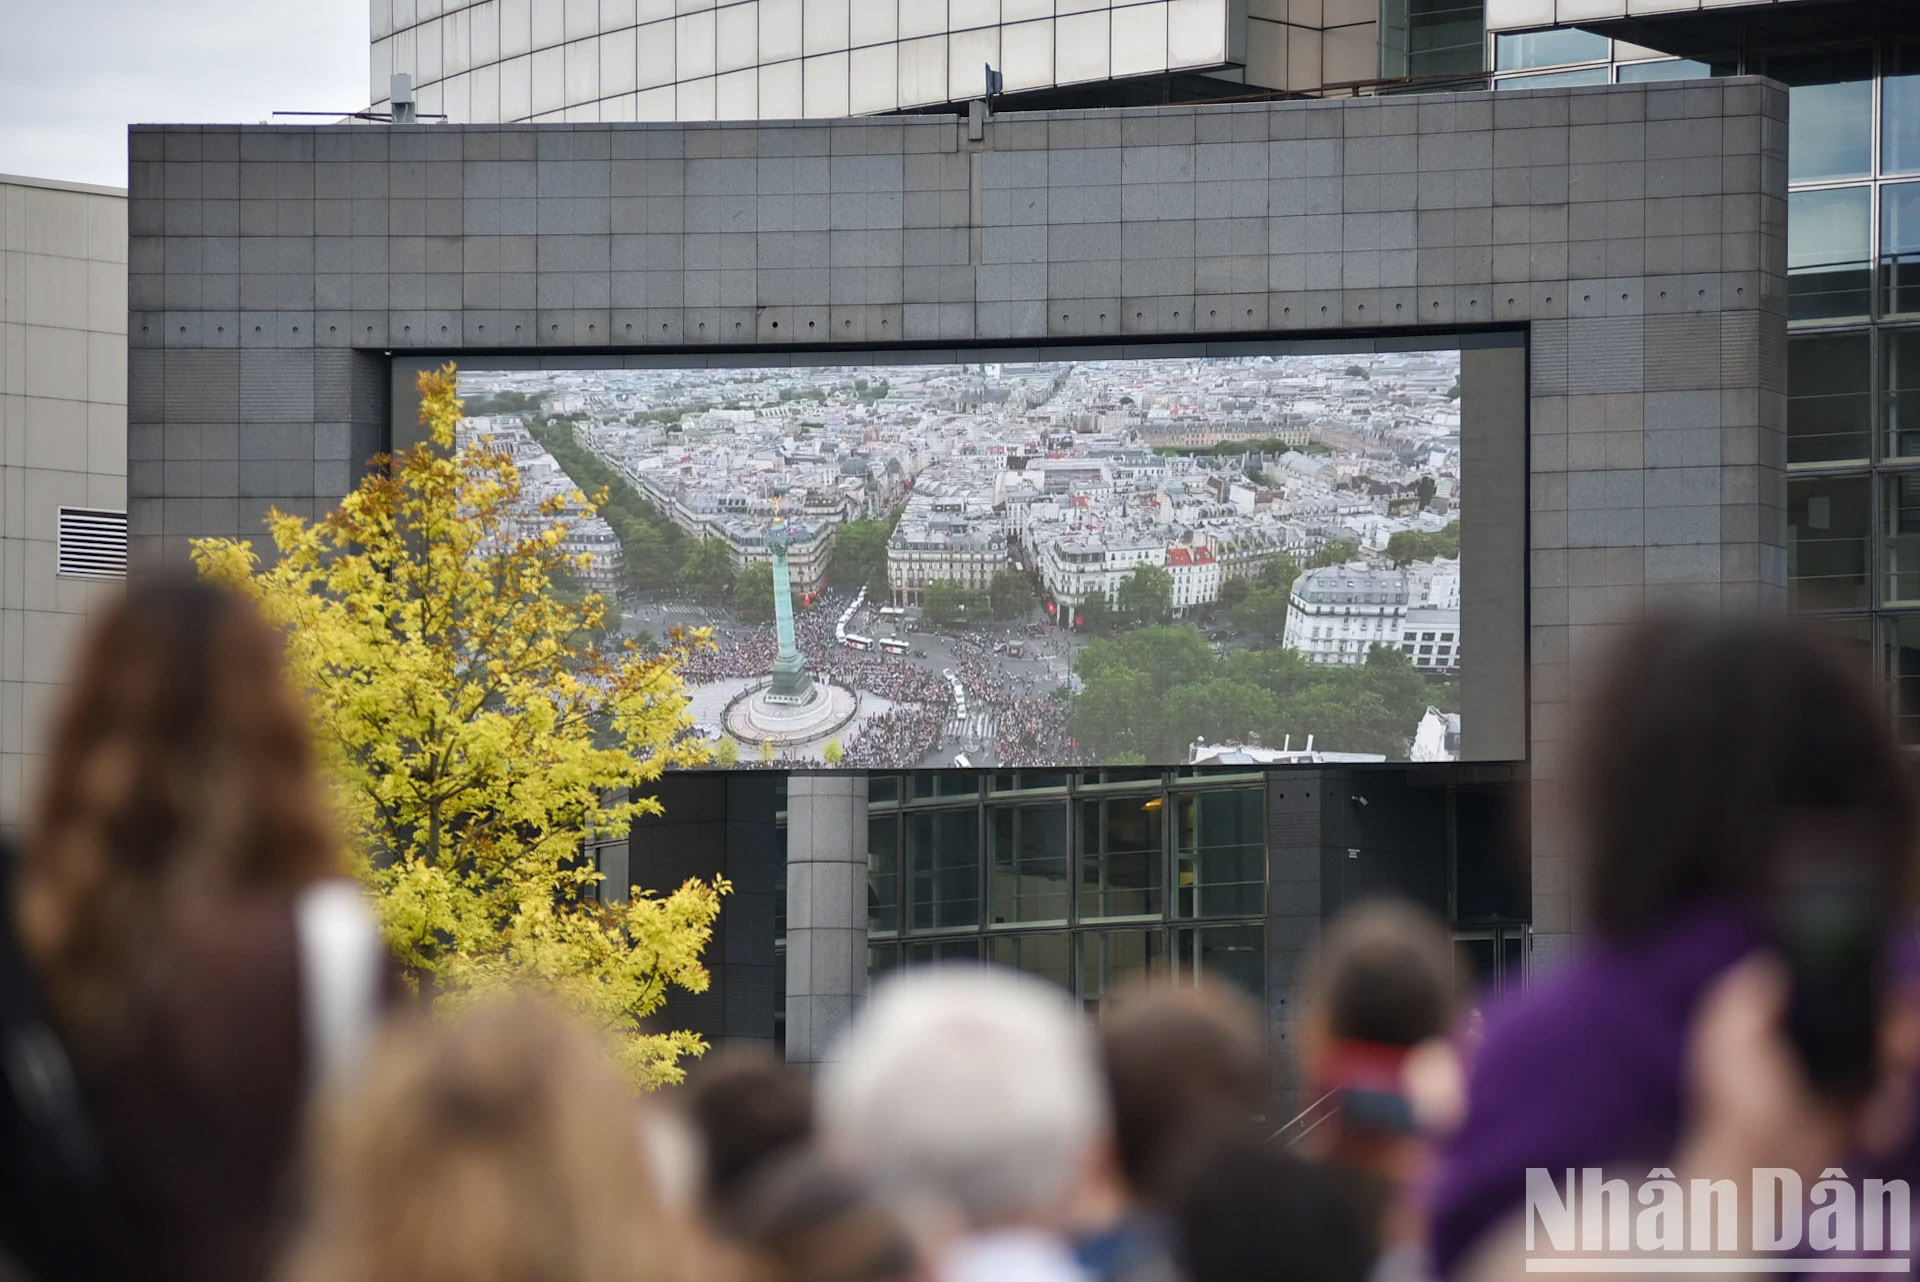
[1163, 561]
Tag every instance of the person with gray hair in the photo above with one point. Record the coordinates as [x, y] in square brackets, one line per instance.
[973, 1098]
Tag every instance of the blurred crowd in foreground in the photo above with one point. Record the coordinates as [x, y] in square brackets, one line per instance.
[208, 1070]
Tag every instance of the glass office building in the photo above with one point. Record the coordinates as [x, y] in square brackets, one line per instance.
[1094, 878]
[1852, 363]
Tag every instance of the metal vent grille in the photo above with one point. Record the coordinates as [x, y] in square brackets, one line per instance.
[92, 543]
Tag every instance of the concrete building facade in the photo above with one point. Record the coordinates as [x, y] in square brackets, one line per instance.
[63, 446]
[272, 303]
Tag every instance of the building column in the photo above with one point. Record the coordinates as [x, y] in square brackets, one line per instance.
[826, 909]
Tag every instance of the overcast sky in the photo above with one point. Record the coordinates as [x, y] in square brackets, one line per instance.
[75, 73]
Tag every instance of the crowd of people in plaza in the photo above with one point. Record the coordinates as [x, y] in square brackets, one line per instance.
[1028, 710]
[1022, 711]
[210, 1072]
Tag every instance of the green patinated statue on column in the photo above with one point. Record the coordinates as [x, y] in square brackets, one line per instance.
[790, 680]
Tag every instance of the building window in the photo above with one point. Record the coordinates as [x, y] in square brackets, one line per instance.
[1049, 956]
[1232, 954]
[1831, 106]
[1027, 862]
[1670, 69]
[1829, 400]
[1555, 79]
[1827, 255]
[1120, 857]
[883, 874]
[1827, 527]
[1549, 49]
[1900, 375]
[935, 952]
[1900, 539]
[1900, 248]
[1900, 639]
[943, 858]
[1220, 853]
[1432, 38]
[1111, 959]
[944, 783]
[1900, 111]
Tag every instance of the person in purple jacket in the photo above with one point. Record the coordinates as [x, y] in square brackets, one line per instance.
[1714, 754]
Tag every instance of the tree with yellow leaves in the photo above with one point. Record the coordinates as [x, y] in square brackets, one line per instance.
[478, 731]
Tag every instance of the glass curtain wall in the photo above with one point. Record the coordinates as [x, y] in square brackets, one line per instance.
[1570, 56]
[1432, 38]
[1853, 308]
[1853, 352]
[1087, 879]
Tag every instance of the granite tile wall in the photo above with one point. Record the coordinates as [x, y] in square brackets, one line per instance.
[1637, 233]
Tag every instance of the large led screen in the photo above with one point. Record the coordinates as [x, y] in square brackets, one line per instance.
[1160, 560]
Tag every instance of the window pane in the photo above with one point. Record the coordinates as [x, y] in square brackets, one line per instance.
[1827, 253]
[883, 788]
[1221, 855]
[1047, 956]
[1902, 640]
[780, 882]
[883, 874]
[1028, 862]
[1855, 637]
[1829, 405]
[1028, 780]
[1123, 774]
[942, 952]
[1548, 49]
[1900, 370]
[943, 855]
[1445, 37]
[1827, 543]
[1110, 959]
[881, 958]
[1900, 539]
[1900, 248]
[1120, 860]
[944, 783]
[1555, 79]
[1900, 111]
[1830, 110]
[1232, 954]
[1671, 69]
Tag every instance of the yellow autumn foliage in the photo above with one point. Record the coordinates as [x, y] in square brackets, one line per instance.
[477, 734]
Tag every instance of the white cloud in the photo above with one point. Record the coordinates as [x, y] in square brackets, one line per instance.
[75, 73]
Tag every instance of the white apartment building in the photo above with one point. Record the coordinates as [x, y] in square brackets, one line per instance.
[1196, 577]
[589, 537]
[1430, 638]
[939, 542]
[1079, 566]
[1340, 612]
[808, 555]
[1337, 614]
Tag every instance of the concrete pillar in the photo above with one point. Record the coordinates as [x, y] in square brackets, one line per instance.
[826, 909]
